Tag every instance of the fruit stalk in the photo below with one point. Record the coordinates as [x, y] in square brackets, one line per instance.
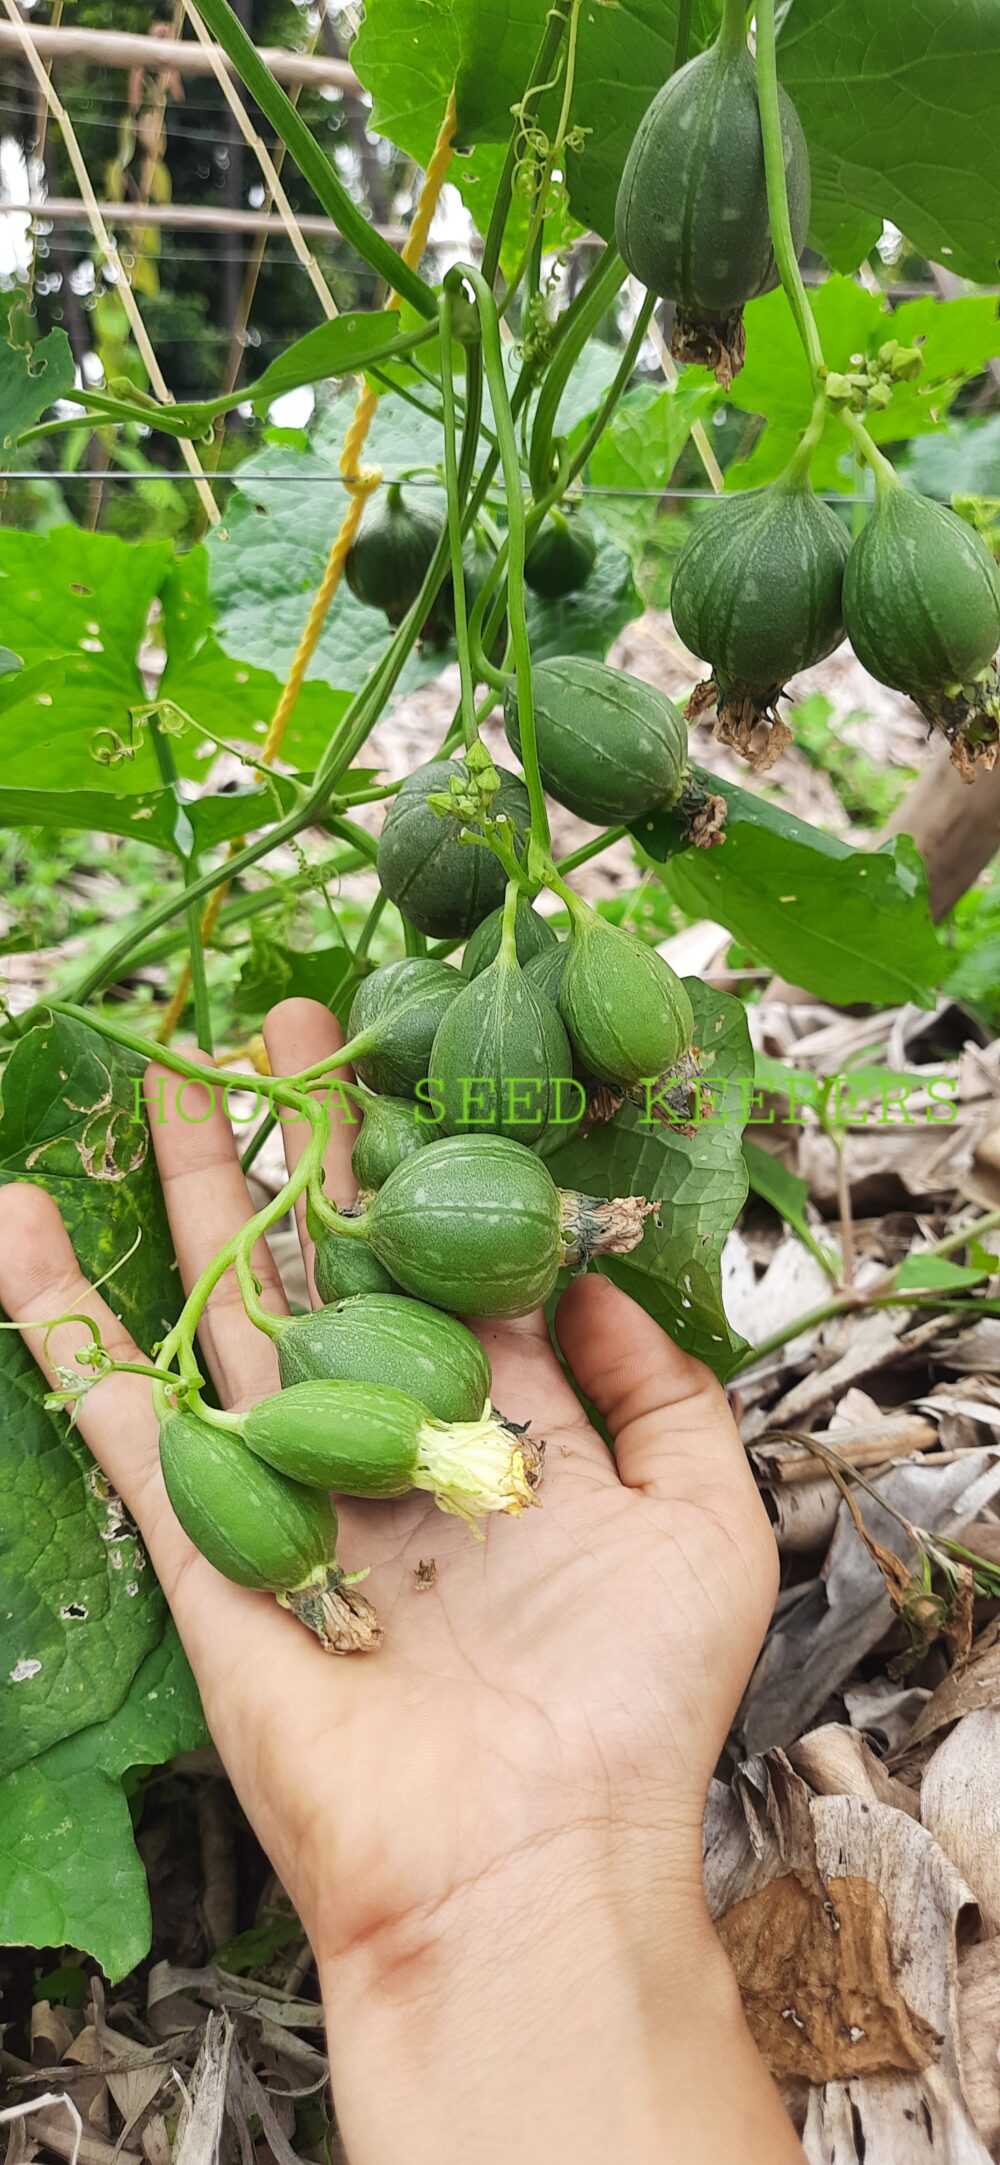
[777, 186]
[516, 542]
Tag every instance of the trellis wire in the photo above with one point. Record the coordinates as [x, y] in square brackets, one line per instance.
[411, 481]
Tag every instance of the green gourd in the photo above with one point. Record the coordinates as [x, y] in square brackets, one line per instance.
[263, 1529]
[691, 218]
[388, 1339]
[501, 1060]
[610, 748]
[345, 1269]
[922, 599]
[628, 1015]
[444, 886]
[561, 556]
[532, 936]
[397, 1011]
[391, 1130]
[258, 1529]
[366, 1441]
[757, 590]
[548, 969]
[476, 1224]
[387, 564]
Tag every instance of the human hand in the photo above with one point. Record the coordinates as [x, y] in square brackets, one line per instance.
[537, 1732]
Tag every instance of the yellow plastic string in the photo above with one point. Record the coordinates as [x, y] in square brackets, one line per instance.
[360, 482]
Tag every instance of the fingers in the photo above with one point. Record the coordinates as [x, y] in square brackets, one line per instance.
[667, 1416]
[298, 1034]
[207, 1201]
[40, 1278]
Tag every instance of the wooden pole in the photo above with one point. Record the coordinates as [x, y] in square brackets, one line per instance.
[127, 49]
[185, 217]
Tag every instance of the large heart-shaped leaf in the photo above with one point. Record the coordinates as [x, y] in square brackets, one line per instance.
[699, 1173]
[848, 924]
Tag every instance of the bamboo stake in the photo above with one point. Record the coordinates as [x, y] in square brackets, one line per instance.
[266, 163]
[108, 248]
[134, 49]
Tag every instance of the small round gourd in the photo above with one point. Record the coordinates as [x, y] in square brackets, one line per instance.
[392, 1129]
[548, 969]
[610, 748]
[501, 1061]
[562, 555]
[628, 1015]
[388, 562]
[389, 1339]
[921, 596]
[399, 1008]
[345, 1269]
[532, 936]
[691, 218]
[476, 1224]
[444, 886]
[757, 590]
[366, 1441]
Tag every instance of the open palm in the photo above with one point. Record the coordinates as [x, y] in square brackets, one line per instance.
[578, 1666]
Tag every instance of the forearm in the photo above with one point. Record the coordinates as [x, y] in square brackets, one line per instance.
[542, 2018]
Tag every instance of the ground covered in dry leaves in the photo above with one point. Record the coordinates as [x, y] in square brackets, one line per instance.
[853, 1836]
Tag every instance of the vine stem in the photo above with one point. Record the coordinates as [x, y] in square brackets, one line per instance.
[532, 246]
[886, 476]
[189, 870]
[307, 1173]
[879, 1295]
[777, 189]
[504, 421]
[682, 39]
[544, 58]
[468, 694]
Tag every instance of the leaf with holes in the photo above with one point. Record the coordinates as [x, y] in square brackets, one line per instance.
[80, 1610]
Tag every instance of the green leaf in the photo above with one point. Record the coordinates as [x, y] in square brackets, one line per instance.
[899, 99]
[227, 694]
[274, 971]
[147, 816]
[82, 600]
[776, 1184]
[623, 56]
[31, 379]
[925, 1273]
[70, 1873]
[957, 340]
[675, 1273]
[82, 1620]
[849, 925]
[340, 348]
[408, 59]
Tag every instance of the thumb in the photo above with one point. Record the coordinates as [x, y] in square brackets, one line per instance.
[667, 1416]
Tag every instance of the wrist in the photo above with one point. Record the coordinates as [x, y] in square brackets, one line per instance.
[566, 2003]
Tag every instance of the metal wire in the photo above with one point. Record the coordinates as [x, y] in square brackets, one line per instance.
[411, 481]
